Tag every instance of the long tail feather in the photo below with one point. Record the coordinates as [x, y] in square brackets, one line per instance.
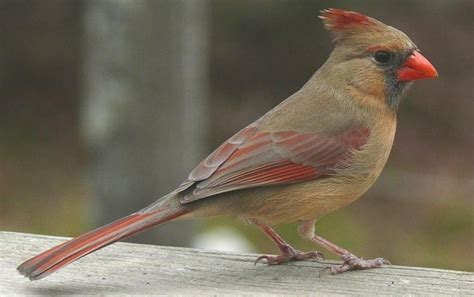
[57, 257]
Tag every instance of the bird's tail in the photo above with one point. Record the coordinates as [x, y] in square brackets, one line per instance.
[57, 257]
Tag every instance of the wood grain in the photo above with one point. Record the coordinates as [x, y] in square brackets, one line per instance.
[125, 268]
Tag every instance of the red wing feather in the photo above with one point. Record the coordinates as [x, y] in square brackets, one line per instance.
[261, 158]
[221, 154]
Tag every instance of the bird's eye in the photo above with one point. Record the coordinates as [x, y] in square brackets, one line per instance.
[382, 57]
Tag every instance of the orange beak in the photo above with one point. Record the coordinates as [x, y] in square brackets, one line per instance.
[416, 67]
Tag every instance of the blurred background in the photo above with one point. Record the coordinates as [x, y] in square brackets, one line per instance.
[106, 105]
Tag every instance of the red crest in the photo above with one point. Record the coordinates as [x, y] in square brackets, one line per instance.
[340, 20]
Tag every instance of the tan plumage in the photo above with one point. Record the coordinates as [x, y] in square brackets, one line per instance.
[317, 151]
[302, 112]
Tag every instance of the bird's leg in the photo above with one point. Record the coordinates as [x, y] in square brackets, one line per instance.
[288, 253]
[350, 262]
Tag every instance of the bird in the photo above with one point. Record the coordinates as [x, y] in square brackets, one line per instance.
[315, 152]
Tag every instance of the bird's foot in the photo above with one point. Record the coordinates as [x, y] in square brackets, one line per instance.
[290, 254]
[352, 262]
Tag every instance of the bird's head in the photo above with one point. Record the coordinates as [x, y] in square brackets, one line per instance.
[373, 58]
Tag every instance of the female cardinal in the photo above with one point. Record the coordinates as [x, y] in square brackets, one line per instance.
[317, 151]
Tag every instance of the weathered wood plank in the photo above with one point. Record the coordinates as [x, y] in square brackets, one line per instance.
[125, 268]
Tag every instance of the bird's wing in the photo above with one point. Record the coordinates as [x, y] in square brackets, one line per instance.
[254, 158]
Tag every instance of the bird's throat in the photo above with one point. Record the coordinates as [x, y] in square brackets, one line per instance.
[394, 91]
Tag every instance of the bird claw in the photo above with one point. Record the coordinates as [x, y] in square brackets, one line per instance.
[291, 255]
[262, 257]
[312, 256]
[352, 262]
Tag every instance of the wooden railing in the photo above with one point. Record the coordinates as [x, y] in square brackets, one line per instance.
[125, 268]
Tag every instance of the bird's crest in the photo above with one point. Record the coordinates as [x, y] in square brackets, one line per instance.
[341, 20]
[343, 23]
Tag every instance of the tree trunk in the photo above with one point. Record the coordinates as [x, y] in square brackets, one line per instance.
[144, 112]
